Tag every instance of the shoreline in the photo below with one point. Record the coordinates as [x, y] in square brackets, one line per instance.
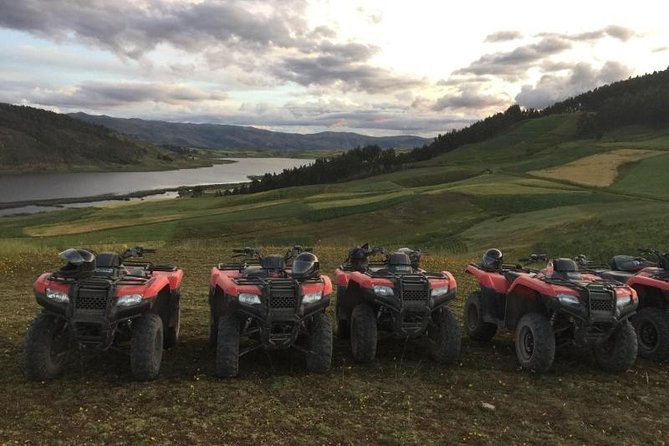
[60, 202]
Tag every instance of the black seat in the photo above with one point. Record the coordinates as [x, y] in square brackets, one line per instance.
[565, 269]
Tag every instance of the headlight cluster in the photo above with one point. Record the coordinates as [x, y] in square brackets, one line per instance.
[624, 301]
[57, 296]
[439, 291]
[311, 298]
[129, 300]
[383, 291]
[568, 299]
[249, 298]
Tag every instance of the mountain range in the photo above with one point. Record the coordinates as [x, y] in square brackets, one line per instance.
[233, 137]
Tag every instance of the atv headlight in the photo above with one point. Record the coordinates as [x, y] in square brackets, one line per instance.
[249, 299]
[311, 298]
[57, 296]
[129, 300]
[383, 291]
[624, 301]
[568, 299]
[439, 291]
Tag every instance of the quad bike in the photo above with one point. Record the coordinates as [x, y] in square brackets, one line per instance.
[101, 302]
[554, 306]
[396, 296]
[277, 301]
[650, 280]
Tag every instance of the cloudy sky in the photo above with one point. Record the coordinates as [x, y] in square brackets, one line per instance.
[376, 67]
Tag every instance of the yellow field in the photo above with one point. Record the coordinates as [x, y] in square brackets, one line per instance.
[599, 170]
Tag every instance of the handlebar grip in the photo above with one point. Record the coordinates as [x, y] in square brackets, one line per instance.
[150, 250]
[238, 251]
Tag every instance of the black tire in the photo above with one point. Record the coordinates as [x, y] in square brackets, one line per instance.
[47, 347]
[146, 347]
[213, 332]
[535, 342]
[343, 325]
[477, 329]
[319, 357]
[445, 337]
[227, 346]
[172, 333]
[363, 333]
[618, 353]
[652, 330]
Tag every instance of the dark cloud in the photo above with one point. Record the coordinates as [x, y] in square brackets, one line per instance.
[90, 95]
[503, 36]
[581, 78]
[514, 64]
[617, 32]
[331, 70]
[470, 99]
[131, 28]
[254, 36]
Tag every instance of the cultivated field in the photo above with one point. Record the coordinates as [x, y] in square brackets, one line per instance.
[596, 170]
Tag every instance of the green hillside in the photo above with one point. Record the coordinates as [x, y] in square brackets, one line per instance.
[35, 140]
[476, 196]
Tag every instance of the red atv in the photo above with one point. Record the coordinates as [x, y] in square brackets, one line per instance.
[278, 301]
[554, 306]
[103, 301]
[396, 296]
[651, 282]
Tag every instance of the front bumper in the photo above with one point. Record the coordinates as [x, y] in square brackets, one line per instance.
[594, 321]
[410, 317]
[278, 327]
[94, 328]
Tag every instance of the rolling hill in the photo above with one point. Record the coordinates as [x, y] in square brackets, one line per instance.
[36, 140]
[231, 137]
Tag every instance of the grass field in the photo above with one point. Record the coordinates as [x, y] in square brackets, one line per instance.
[453, 210]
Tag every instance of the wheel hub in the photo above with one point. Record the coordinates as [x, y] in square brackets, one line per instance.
[648, 335]
[527, 342]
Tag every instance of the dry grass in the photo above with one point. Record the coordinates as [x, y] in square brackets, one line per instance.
[599, 170]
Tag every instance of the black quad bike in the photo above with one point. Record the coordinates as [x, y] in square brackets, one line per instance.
[274, 301]
[650, 280]
[396, 296]
[553, 306]
[101, 302]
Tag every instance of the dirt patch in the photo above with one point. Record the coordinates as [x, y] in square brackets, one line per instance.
[596, 170]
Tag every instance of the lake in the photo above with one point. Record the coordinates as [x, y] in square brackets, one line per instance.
[49, 186]
[46, 186]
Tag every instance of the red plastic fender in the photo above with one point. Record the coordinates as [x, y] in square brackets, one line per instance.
[644, 278]
[325, 287]
[221, 280]
[450, 281]
[43, 282]
[149, 290]
[541, 287]
[341, 278]
[491, 280]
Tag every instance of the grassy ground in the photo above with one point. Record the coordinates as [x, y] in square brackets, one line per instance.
[402, 398]
[451, 207]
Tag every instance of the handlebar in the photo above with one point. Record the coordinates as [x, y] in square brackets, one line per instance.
[137, 251]
[246, 251]
[535, 258]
